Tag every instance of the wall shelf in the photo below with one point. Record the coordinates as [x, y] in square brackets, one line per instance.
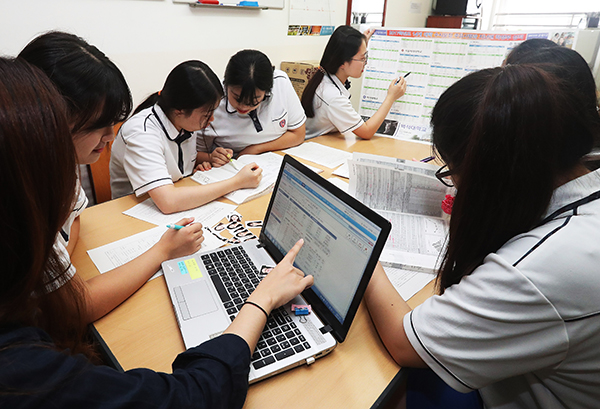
[228, 6]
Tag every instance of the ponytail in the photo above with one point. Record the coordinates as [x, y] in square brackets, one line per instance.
[148, 102]
[190, 85]
[509, 164]
[341, 47]
[309, 93]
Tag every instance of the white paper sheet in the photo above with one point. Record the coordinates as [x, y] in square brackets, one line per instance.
[117, 253]
[414, 193]
[407, 282]
[408, 195]
[321, 154]
[414, 240]
[269, 162]
[340, 183]
[343, 171]
[208, 214]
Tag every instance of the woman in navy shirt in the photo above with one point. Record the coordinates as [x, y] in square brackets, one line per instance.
[44, 360]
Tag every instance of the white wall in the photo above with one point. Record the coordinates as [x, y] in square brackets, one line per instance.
[399, 13]
[147, 38]
[407, 13]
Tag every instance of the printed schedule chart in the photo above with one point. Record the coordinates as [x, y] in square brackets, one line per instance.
[435, 59]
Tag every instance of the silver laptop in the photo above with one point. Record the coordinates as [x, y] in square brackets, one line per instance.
[342, 243]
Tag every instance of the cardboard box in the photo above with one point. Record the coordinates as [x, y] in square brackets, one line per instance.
[300, 72]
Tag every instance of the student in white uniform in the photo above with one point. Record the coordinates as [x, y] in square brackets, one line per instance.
[157, 145]
[518, 314]
[260, 112]
[97, 98]
[326, 99]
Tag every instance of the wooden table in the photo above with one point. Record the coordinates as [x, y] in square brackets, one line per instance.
[143, 332]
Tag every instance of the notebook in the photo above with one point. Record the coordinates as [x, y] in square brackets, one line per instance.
[342, 243]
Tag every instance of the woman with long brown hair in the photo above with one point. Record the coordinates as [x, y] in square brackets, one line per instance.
[40, 331]
[517, 317]
[97, 97]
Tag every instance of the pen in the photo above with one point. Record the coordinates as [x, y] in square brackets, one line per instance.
[427, 159]
[175, 226]
[405, 75]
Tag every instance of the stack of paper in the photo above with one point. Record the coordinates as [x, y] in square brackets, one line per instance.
[409, 195]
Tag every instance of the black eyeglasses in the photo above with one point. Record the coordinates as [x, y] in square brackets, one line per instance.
[442, 176]
[364, 60]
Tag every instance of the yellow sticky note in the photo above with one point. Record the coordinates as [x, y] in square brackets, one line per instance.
[193, 268]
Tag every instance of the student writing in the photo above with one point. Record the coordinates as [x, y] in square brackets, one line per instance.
[260, 112]
[97, 97]
[157, 145]
[326, 99]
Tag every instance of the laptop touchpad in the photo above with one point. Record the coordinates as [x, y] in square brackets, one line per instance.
[195, 299]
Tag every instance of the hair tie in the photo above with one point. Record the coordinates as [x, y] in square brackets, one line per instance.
[159, 92]
[322, 69]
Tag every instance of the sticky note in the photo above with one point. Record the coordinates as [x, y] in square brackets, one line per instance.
[193, 268]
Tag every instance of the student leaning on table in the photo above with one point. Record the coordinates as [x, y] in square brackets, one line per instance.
[157, 145]
[260, 112]
[43, 360]
[326, 99]
[517, 317]
[97, 97]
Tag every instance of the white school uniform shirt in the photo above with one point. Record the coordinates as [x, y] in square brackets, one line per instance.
[333, 110]
[62, 240]
[281, 112]
[145, 156]
[524, 327]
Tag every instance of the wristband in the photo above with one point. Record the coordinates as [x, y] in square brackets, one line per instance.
[257, 306]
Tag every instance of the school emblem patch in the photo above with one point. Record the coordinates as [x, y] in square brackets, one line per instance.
[282, 123]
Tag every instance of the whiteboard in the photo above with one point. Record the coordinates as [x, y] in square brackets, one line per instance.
[436, 59]
[272, 4]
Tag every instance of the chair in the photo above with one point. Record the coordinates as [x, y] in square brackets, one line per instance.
[100, 174]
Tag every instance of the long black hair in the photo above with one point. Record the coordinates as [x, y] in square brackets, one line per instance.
[570, 67]
[94, 89]
[341, 47]
[526, 131]
[190, 85]
[528, 47]
[38, 198]
[249, 69]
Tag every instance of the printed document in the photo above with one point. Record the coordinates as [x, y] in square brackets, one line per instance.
[115, 254]
[407, 283]
[409, 195]
[269, 162]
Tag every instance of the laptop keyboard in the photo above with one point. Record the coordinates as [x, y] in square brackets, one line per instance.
[235, 277]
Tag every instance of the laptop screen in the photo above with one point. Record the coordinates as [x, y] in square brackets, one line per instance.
[340, 235]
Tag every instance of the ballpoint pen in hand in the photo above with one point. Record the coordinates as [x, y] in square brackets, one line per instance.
[405, 75]
[175, 226]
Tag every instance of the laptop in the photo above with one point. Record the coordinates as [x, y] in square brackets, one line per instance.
[342, 243]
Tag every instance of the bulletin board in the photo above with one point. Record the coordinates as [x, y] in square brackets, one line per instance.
[435, 58]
